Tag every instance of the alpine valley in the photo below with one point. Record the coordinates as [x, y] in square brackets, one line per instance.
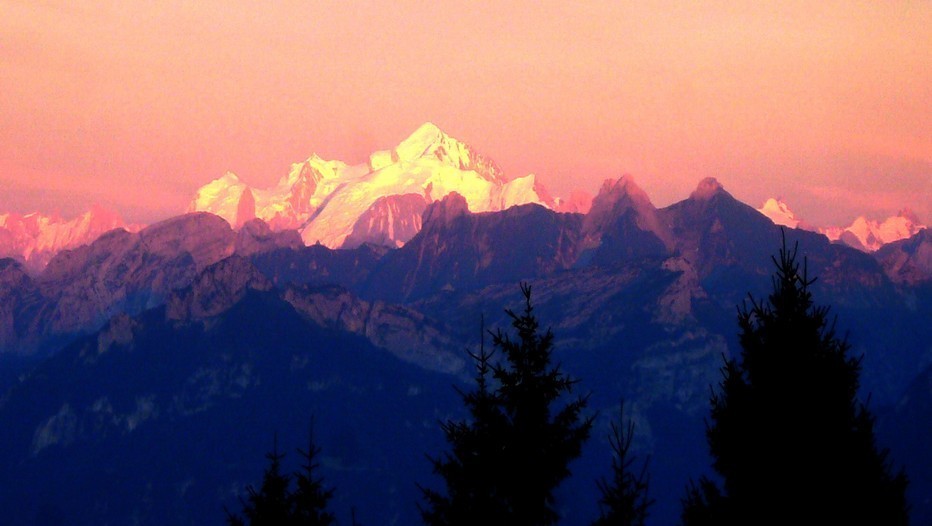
[147, 370]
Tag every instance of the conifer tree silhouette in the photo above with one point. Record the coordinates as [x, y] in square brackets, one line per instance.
[274, 504]
[788, 435]
[514, 450]
[625, 500]
[310, 498]
[470, 469]
[269, 505]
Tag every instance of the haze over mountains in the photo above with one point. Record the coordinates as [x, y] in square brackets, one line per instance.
[379, 202]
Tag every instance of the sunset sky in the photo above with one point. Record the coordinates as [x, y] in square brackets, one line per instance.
[136, 104]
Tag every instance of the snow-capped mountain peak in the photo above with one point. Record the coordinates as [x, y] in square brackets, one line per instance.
[316, 167]
[523, 190]
[214, 195]
[870, 235]
[222, 197]
[35, 238]
[424, 141]
[863, 233]
[429, 142]
[326, 199]
[778, 212]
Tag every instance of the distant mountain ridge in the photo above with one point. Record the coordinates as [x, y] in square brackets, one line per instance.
[382, 201]
[868, 235]
[34, 238]
[450, 248]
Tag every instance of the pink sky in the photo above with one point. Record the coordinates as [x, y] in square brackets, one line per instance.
[136, 104]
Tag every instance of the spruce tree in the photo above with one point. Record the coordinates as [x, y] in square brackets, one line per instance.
[270, 504]
[625, 500]
[310, 498]
[470, 469]
[788, 435]
[513, 451]
[274, 504]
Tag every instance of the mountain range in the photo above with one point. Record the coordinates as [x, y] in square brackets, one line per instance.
[168, 358]
[378, 202]
[863, 234]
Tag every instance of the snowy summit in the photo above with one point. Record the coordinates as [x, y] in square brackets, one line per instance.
[863, 234]
[380, 201]
[777, 211]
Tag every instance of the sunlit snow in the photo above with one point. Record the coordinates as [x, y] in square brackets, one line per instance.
[325, 199]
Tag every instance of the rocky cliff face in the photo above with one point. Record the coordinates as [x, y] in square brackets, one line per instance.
[215, 290]
[405, 332]
[623, 225]
[257, 237]
[456, 249]
[124, 272]
[121, 272]
[909, 260]
[617, 198]
[391, 221]
[711, 229]
[19, 297]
